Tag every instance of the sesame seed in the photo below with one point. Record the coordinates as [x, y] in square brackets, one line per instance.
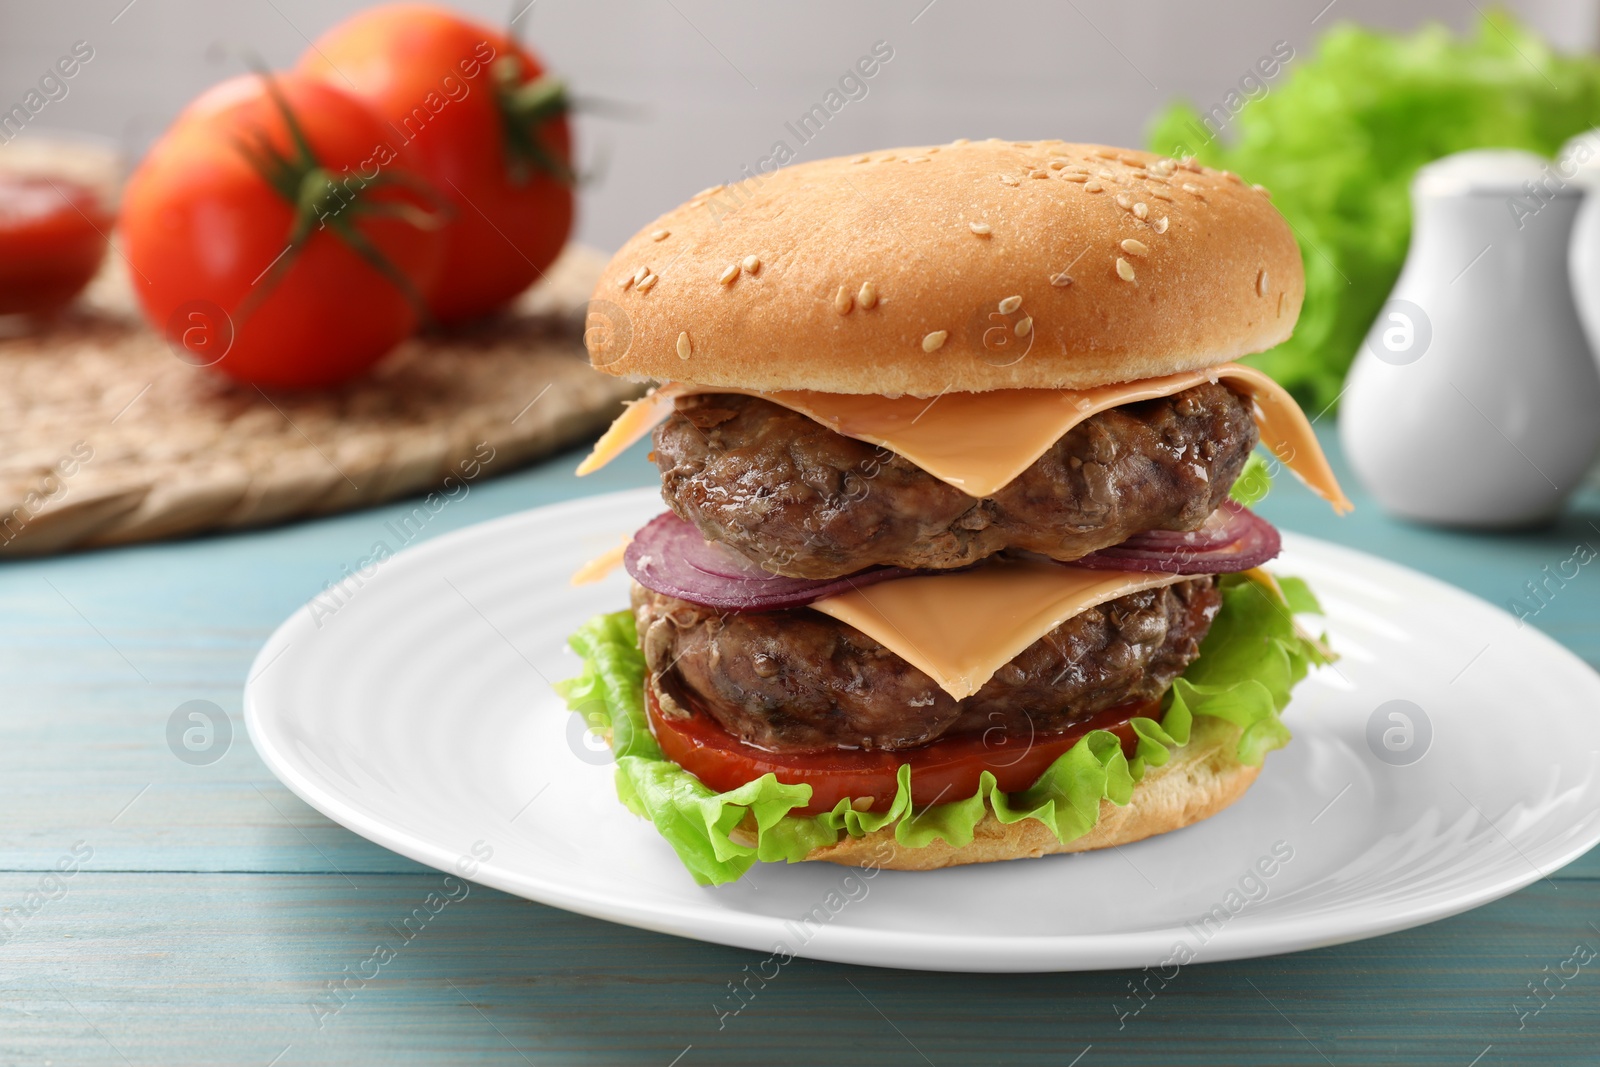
[640, 275]
[1006, 179]
[646, 283]
[1057, 164]
[1075, 177]
[729, 273]
[1141, 210]
[1023, 327]
[1159, 195]
[961, 140]
[752, 264]
[935, 340]
[1108, 175]
[1124, 201]
[917, 159]
[1040, 173]
[1160, 225]
[980, 228]
[860, 159]
[1191, 187]
[1060, 280]
[1092, 187]
[661, 235]
[1010, 304]
[685, 350]
[1261, 283]
[1188, 163]
[1135, 248]
[842, 301]
[625, 283]
[1124, 269]
[868, 296]
[1263, 190]
[932, 151]
[1232, 177]
[708, 191]
[1104, 153]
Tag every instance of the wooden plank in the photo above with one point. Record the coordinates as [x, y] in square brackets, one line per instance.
[233, 968]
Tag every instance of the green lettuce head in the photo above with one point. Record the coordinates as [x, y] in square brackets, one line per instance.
[1337, 137]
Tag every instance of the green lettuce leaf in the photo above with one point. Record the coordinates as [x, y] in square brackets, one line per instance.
[1338, 136]
[1253, 483]
[1248, 663]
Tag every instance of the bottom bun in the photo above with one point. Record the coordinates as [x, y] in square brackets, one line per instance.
[1198, 781]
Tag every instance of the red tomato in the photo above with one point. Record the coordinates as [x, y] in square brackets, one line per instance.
[206, 235]
[944, 771]
[52, 239]
[431, 74]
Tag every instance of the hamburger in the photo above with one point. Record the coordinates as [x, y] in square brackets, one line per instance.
[957, 563]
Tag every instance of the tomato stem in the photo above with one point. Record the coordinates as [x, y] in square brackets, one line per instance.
[525, 107]
[322, 198]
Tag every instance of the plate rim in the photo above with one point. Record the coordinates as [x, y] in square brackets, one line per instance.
[958, 952]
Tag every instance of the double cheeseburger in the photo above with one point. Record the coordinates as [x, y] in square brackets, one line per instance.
[957, 565]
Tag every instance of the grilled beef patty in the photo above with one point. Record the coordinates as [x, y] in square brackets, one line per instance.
[797, 680]
[802, 500]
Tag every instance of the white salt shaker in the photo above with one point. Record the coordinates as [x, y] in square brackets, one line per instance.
[1475, 399]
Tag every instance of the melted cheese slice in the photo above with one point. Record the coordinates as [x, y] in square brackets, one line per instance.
[638, 418]
[980, 442]
[603, 564]
[961, 628]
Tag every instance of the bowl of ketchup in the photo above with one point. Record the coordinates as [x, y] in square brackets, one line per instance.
[53, 232]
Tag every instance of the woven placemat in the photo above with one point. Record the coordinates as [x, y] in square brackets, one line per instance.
[107, 437]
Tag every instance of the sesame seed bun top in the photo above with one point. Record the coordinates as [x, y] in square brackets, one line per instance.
[963, 267]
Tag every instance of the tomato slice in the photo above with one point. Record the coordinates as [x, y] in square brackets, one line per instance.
[52, 239]
[944, 771]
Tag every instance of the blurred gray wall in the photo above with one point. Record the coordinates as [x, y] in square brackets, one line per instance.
[720, 79]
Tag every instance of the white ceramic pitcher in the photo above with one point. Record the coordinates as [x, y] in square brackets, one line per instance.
[1475, 400]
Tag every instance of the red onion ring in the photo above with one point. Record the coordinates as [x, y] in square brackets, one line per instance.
[1232, 539]
[671, 557]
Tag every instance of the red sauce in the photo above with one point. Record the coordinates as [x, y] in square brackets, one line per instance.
[52, 239]
[944, 771]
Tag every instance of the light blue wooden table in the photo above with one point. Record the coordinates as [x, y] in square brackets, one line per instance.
[209, 908]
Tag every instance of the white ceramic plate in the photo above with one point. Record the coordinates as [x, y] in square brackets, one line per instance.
[418, 714]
